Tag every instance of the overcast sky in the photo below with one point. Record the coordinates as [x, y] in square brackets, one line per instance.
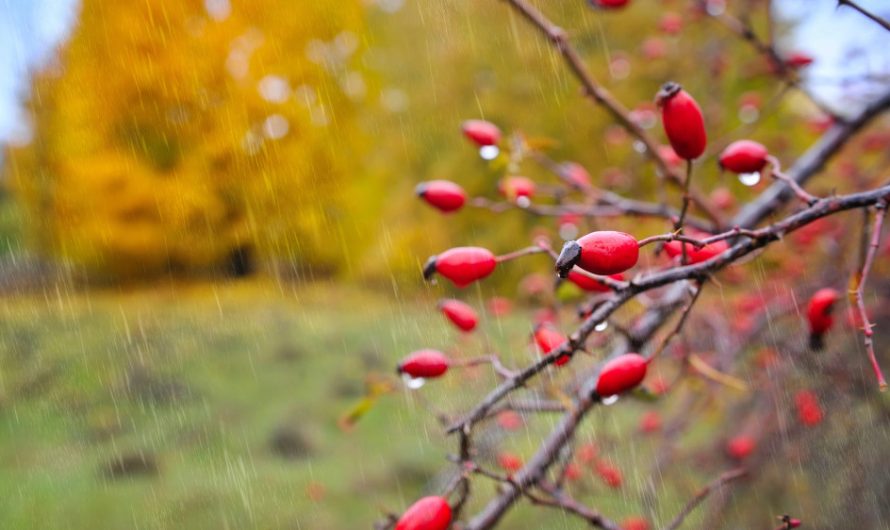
[844, 43]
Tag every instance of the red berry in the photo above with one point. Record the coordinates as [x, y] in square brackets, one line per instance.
[819, 310]
[499, 306]
[576, 175]
[424, 363]
[429, 513]
[808, 409]
[671, 23]
[548, 339]
[605, 252]
[589, 284]
[609, 4]
[481, 132]
[587, 453]
[794, 523]
[696, 255]
[509, 420]
[683, 121]
[573, 472]
[442, 194]
[635, 523]
[460, 314]
[740, 447]
[621, 374]
[650, 422]
[798, 60]
[722, 198]
[515, 187]
[509, 462]
[744, 156]
[670, 156]
[461, 265]
[610, 474]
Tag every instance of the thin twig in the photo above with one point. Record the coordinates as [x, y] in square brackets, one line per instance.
[850, 3]
[715, 484]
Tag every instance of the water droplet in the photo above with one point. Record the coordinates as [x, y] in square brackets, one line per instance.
[611, 400]
[602, 326]
[413, 382]
[748, 114]
[274, 88]
[715, 8]
[749, 179]
[489, 152]
[523, 201]
[639, 147]
[275, 127]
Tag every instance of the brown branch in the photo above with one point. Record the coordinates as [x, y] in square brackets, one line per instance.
[850, 3]
[604, 98]
[715, 484]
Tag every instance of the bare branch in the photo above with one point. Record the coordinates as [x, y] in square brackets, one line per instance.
[715, 484]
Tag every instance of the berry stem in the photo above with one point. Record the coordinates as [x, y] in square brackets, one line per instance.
[857, 284]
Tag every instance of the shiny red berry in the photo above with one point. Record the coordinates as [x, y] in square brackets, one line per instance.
[481, 132]
[548, 339]
[683, 121]
[442, 194]
[819, 310]
[429, 513]
[461, 265]
[621, 374]
[695, 255]
[591, 285]
[515, 187]
[740, 447]
[604, 252]
[424, 363]
[744, 156]
[460, 314]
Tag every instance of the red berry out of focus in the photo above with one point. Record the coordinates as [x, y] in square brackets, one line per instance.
[443, 195]
[429, 513]
[621, 374]
[460, 314]
[481, 132]
[424, 363]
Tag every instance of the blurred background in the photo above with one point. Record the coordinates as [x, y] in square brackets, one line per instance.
[210, 247]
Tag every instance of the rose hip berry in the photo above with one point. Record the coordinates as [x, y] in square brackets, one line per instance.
[819, 315]
[590, 284]
[621, 374]
[460, 314]
[682, 120]
[429, 513]
[695, 255]
[424, 363]
[575, 174]
[461, 265]
[610, 474]
[740, 447]
[744, 156]
[444, 195]
[515, 187]
[481, 132]
[548, 339]
[604, 252]
[635, 523]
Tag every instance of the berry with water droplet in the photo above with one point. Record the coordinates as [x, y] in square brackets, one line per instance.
[461, 265]
[424, 363]
[460, 314]
[604, 252]
[481, 132]
[443, 195]
[591, 285]
[515, 187]
[429, 513]
[740, 447]
[548, 339]
[683, 121]
[744, 156]
[621, 374]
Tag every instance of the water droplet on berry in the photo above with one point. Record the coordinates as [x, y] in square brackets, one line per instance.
[748, 114]
[568, 231]
[715, 8]
[489, 152]
[523, 202]
[611, 400]
[602, 326]
[639, 147]
[749, 179]
[413, 382]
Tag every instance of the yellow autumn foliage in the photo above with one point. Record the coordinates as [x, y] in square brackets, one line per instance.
[167, 136]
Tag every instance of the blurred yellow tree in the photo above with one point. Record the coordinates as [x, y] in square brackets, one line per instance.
[172, 134]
